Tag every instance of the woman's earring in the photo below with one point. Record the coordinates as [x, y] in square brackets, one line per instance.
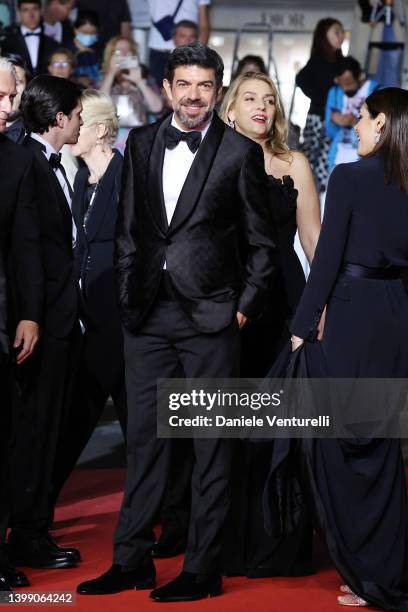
[99, 141]
[231, 123]
[377, 137]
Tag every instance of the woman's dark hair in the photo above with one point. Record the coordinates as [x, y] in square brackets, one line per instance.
[320, 45]
[251, 59]
[196, 54]
[348, 64]
[44, 97]
[393, 144]
[84, 17]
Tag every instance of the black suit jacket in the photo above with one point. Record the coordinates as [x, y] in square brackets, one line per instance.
[4, 345]
[19, 233]
[222, 202]
[61, 294]
[94, 248]
[15, 43]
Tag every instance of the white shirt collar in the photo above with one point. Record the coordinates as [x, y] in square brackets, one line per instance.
[25, 30]
[203, 132]
[48, 148]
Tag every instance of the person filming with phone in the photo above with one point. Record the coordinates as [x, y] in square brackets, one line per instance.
[125, 81]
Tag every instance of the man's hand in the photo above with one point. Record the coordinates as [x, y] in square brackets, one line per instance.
[242, 319]
[27, 335]
[343, 120]
[296, 342]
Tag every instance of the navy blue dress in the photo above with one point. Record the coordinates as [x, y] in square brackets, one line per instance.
[358, 486]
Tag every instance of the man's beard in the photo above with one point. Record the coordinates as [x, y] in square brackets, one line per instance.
[193, 122]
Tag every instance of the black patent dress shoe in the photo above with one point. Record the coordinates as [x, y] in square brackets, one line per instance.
[189, 587]
[169, 545]
[13, 576]
[74, 552]
[118, 579]
[37, 550]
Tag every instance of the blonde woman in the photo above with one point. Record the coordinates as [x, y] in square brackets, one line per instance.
[253, 108]
[125, 82]
[94, 207]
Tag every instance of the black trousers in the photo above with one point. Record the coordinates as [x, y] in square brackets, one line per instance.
[165, 341]
[101, 374]
[5, 432]
[46, 382]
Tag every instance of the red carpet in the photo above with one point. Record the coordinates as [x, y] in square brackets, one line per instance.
[86, 518]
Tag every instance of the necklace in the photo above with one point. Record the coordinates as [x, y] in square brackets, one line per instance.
[90, 205]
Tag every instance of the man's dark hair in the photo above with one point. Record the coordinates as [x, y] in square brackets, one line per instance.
[17, 60]
[185, 23]
[44, 97]
[251, 59]
[20, 2]
[196, 54]
[346, 64]
[84, 17]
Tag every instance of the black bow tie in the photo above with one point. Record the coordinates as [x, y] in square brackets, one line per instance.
[55, 160]
[32, 34]
[174, 136]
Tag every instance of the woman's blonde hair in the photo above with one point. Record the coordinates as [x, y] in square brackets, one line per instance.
[98, 107]
[110, 49]
[276, 142]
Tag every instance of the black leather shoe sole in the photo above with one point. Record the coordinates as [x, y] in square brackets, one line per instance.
[195, 597]
[43, 563]
[140, 585]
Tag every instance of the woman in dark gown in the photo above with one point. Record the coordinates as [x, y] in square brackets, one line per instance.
[361, 260]
[252, 105]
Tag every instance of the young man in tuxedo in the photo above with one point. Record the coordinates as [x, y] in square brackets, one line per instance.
[184, 293]
[51, 111]
[28, 40]
[21, 289]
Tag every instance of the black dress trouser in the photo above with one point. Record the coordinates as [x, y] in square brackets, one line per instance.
[46, 382]
[165, 341]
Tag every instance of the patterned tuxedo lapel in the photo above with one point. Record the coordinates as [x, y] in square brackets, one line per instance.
[198, 173]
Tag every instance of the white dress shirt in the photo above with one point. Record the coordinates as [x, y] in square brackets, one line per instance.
[48, 150]
[53, 30]
[33, 44]
[176, 166]
[189, 10]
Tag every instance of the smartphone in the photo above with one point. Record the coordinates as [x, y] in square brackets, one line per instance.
[130, 62]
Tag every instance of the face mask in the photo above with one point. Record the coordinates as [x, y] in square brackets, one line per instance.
[351, 92]
[86, 39]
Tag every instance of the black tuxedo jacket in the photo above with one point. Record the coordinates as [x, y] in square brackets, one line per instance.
[61, 294]
[20, 234]
[4, 344]
[94, 248]
[15, 43]
[221, 205]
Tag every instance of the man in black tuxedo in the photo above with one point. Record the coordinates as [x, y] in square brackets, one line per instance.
[21, 288]
[57, 24]
[28, 40]
[184, 293]
[51, 110]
